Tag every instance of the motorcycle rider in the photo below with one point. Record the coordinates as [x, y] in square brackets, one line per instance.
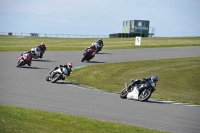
[153, 79]
[29, 56]
[42, 48]
[68, 67]
[100, 42]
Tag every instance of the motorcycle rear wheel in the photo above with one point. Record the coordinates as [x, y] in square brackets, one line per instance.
[145, 95]
[54, 79]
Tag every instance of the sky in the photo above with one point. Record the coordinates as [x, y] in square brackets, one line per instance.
[170, 18]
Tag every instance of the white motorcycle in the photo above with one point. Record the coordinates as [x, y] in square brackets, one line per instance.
[36, 52]
[58, 74]
[135, 92]
[97, 46]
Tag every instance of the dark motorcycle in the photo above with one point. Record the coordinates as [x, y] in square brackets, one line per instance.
[135, 92]
[87, 55]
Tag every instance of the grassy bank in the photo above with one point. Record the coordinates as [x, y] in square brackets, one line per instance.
[179, 79]
[8, 43]
[22, 120]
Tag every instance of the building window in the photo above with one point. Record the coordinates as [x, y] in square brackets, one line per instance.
[128, 23]
[140, 23]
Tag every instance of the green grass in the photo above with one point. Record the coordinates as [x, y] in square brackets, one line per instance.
[179, 79]
[13, 43]
[22, 120]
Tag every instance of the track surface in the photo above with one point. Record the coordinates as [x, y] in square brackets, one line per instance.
[26, 87]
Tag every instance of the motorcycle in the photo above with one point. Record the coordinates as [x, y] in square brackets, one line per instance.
[56, 75]
[36, 52]
[87, 55]
[140, 92]
[24, 59]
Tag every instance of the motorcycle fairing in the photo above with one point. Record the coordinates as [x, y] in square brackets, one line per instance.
[133, 94]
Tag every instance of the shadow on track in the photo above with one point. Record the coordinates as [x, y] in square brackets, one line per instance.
[62, 82]
[27, 67]
[94, 62]
[104, 53]
[45, 60]
[152, 101]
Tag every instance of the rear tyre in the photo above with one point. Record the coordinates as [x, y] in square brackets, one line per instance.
[145, 95]
[124, 94]
[54, 79]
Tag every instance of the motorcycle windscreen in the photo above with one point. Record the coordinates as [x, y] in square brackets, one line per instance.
[25, 56]
[133, 94]
[65, 71]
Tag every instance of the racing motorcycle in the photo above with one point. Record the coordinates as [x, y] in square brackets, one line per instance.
[87, 55]
[36, 52]
[56, 75]
[24, 59]
[140, 92]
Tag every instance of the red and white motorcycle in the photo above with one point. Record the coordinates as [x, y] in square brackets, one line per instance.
[24, 59]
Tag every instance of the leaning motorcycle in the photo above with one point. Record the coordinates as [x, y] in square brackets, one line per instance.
[87, 55]
[23, 60]
[56, 75]
[134, 92]
[36, 52]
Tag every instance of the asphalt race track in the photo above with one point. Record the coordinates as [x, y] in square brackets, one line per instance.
[26, 87]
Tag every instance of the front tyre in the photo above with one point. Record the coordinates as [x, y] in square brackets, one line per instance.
[124, 94]
[47, 78]
[20, 63]
[83, 59]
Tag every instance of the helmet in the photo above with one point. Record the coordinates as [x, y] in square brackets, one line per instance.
[69, 64]
[42, 43]
[100, 39]
[154, 78]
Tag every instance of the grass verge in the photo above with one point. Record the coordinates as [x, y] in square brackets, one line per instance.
[179, 79]
[22, 120]
[15, 43]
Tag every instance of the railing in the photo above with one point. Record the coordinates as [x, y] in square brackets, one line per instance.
[53, 35]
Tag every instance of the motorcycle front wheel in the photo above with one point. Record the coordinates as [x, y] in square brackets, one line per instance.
[124, 94]
[20, 63]
[83, 59]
